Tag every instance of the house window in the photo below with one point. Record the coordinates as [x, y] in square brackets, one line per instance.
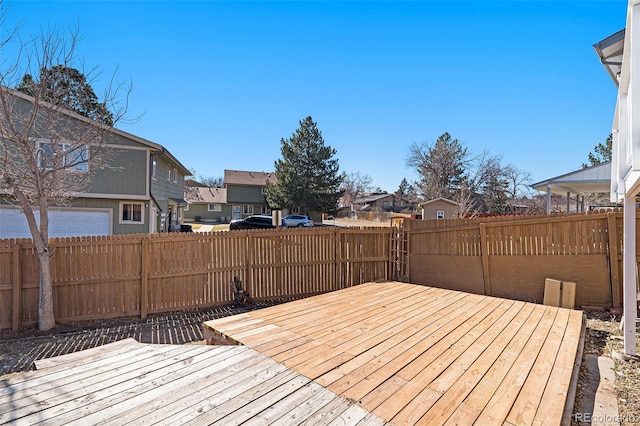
[131, 212]
[265, 210]
[295, 210]
[154, 170]
[72, 158]
[175, 176]
[214, 207]
[440, 214]
[263, 190]
[185, 208]
[168, 173]
[247, 209]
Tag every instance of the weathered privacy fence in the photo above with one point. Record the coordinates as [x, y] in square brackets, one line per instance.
[511, 256]
[102, 277]
[504, 256]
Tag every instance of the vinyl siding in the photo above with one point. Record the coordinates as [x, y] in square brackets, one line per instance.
[202, 211]
[126, 174]
[237, 194]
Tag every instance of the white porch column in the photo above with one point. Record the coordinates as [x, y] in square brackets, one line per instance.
[630, 303]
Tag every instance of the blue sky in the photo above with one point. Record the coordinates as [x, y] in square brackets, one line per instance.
[220, 83]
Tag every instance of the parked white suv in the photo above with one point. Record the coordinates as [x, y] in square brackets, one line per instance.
[296, 220]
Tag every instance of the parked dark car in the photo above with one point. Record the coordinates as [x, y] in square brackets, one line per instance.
[177, 227]
[252, 222]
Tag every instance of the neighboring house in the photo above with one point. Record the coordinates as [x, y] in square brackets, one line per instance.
[380, 202]
[206, 204]
[246, 192]
[141, 191]
[440, 208]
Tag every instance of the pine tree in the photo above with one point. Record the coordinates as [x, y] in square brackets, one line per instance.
[601, 153]
[441, 166]
[403, 189]
[67, 87]
[307, 175]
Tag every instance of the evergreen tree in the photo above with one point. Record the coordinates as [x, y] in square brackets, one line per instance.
[403, 189]
[495, 193]
[307, 175]
[67, 87]
[601, 153]
[441, 167]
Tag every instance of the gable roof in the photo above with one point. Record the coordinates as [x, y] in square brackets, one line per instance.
[159, 149]
[240, 177]
[435, 200]
[588, 180]
[371, 198]
[205, 194]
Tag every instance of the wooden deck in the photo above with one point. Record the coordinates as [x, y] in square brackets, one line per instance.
[419, 355]
[127, 383]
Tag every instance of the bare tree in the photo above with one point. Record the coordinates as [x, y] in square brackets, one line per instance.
[48, 153]
[212, 182]
[355, 185]
[519, 182]
[467, 206]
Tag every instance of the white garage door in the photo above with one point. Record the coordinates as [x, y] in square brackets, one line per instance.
[62, 223]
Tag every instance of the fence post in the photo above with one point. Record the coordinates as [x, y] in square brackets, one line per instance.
[407, 265]
[249, 260]
[16, 282]
[485, 259]
[613, 255]
[144, 284]
[336, 258]
[279, 263]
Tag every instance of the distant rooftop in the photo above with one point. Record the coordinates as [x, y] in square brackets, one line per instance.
[205, 194]
[240, 177]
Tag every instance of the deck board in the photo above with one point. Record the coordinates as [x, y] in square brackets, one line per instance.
[128, 383]
[419, 355]
[375, 353]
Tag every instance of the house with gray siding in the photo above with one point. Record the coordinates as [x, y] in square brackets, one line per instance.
[206, 204]
[246, 192]
[140, 191]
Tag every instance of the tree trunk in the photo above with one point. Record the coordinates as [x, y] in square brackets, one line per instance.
[46, 319]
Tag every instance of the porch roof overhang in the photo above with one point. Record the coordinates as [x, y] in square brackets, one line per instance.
[610, 51]
[592, 179]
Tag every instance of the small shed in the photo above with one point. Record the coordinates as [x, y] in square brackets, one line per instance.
[440, 208]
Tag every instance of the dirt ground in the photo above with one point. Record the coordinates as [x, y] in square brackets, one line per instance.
[603, 338]
[19, 350]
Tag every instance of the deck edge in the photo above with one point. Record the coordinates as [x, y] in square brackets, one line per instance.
[214, 337]
[573, 386]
